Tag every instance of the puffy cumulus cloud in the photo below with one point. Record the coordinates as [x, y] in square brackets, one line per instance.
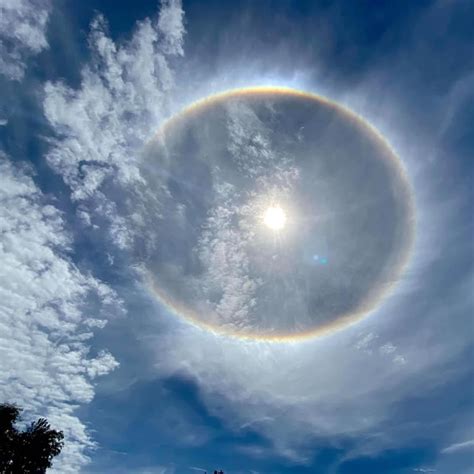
[49, 310]
[23, 26]
[102, 126]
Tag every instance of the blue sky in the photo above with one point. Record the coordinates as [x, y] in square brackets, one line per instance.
[136, 389]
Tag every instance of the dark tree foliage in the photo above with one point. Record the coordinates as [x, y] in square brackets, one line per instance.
[30, 451]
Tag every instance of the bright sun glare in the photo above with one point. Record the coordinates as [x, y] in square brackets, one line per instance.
[274, 218]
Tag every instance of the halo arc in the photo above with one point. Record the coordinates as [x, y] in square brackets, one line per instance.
[367, 307]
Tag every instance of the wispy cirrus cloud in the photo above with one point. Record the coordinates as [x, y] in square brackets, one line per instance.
[464, 445]
[49, 311]
[23, 26]
[102, 126]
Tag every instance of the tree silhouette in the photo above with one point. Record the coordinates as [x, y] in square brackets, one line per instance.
[30, 451]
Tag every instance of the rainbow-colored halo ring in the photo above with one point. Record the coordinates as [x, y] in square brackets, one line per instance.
[350, 217]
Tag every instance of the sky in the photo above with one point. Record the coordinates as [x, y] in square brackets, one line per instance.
[142, 302]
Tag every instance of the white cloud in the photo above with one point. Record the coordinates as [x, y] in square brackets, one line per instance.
[468, 444]
[399, 359]
[365, 342]
[288, 393]
[46, 308]
[328, 388]
[102, 126]
[154, 470]
[22, 34]
[171, 27]
[222, 250]
[226, 292]
[388, 348]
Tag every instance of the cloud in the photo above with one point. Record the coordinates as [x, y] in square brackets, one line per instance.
[388, 348]
[399, 359]
[171, 27]
[49, 310]
[155, 470]
[222, 251]
[267, 386]
[228, 285]
[291, 394]
[22, 34]
[344, 388]
[464, 445]
[102, 126]
[365, 341]
[326, 389]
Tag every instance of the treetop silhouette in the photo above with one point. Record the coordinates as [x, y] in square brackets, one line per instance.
[30, 451]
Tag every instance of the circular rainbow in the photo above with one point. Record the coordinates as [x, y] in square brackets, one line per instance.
[373, 301]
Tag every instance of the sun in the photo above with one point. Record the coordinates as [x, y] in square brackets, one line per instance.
[274, 218]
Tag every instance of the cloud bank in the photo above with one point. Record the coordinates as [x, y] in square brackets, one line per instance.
[49, 311]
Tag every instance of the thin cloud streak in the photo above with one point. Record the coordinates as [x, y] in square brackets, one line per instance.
[464, 445]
